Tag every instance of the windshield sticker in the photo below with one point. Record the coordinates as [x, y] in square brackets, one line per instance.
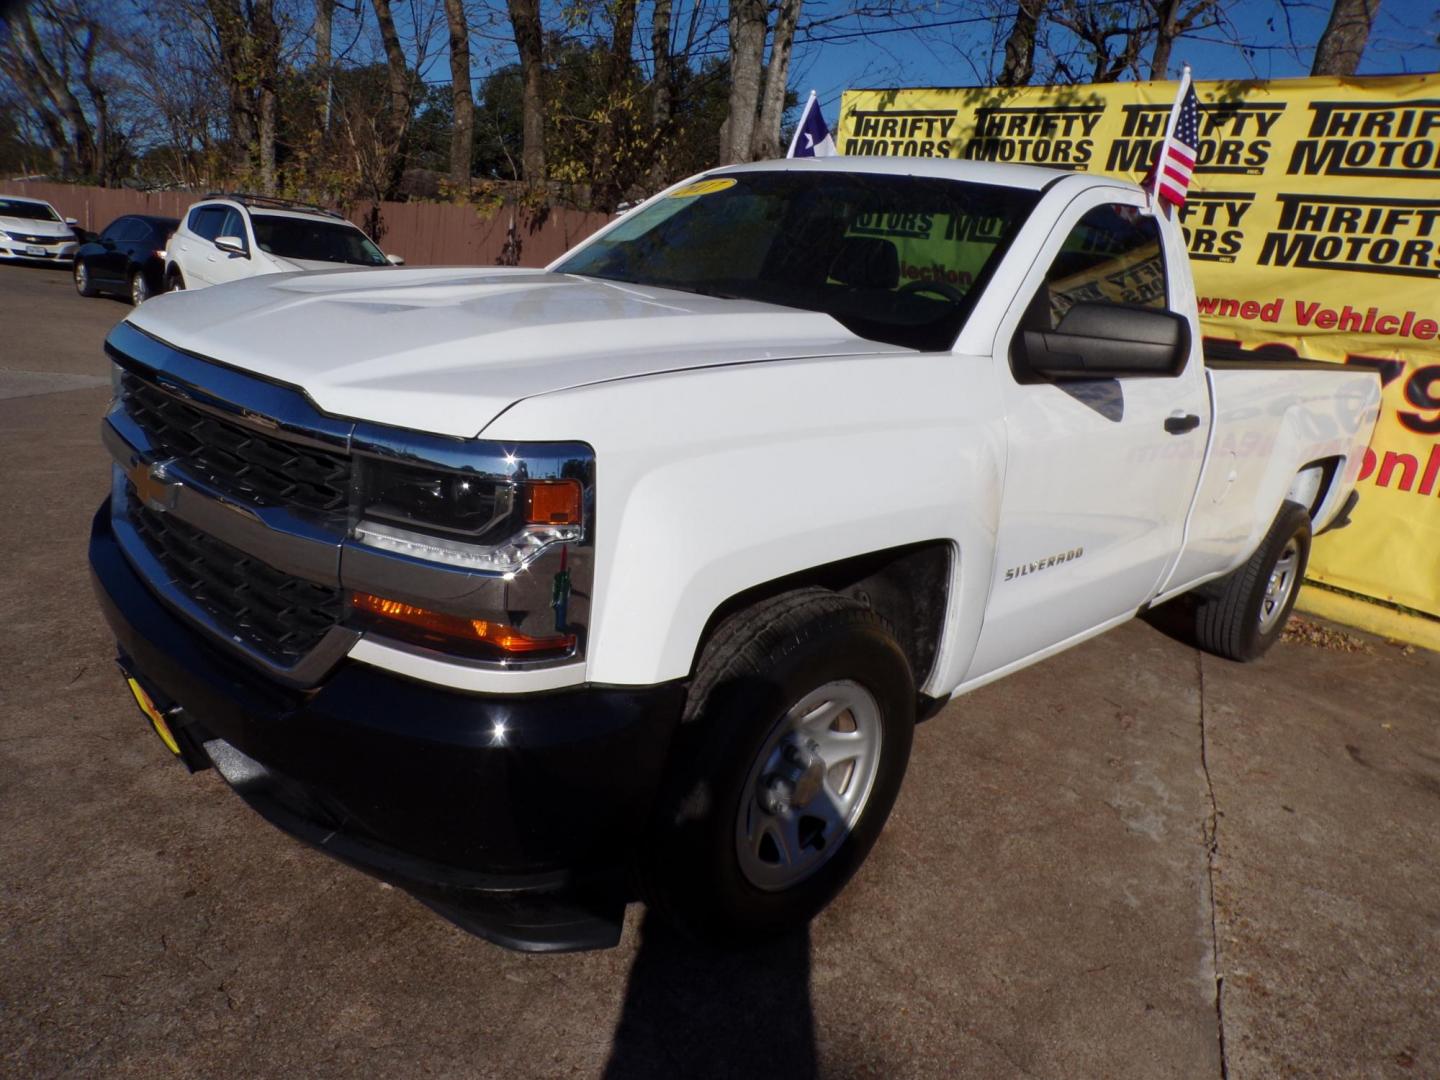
[703, 187]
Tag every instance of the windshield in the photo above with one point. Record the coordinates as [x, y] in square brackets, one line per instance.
[898, 259]
[32, 211]
[322, 241]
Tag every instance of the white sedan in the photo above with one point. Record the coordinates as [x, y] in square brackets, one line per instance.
[33, 229]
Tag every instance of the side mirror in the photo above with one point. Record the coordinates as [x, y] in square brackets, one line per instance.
[71, 221]
[233, 244]
[1106, 341]
[395, 260]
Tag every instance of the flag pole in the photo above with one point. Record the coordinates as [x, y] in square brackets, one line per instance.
[800, 125]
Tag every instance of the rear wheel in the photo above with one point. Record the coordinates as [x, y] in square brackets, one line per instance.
[139, 288]
[83, 284]
[174, 281]
[796, 737]
[1242, 614]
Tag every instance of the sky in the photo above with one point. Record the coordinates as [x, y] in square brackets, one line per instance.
[951, 42]
[1404, 40]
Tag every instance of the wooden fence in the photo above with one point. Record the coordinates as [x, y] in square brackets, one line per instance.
[424, 233]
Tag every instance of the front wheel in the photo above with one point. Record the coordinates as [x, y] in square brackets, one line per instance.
[796, 736]
[1242, 614]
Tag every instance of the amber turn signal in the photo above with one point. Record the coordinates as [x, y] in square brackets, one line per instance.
[552, 502]
[438, 628]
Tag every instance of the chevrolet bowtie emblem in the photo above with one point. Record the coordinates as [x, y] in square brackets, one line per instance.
[152, 486]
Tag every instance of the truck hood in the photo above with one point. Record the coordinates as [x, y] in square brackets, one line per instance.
[446, 349]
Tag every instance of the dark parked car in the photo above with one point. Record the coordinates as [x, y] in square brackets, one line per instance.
[127, 258]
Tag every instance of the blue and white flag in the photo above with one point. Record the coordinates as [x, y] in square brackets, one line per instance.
[812, 136]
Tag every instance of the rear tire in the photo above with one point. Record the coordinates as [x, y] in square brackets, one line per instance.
[83, 285]
[1242, 614]
[795, 739]
[174, 280]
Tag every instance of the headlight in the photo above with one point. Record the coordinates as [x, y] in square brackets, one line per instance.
[472, 548]
[471, 519]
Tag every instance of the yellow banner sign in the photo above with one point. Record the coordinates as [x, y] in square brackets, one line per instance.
[1314, 230]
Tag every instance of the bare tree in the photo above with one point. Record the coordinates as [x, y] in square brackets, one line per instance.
[749, 26]
[1174, 19]
[398, 81]
[462, 131]
[605, 191]
[530, 42]
[1345, 37]
[766, 140]
[76, 151]
[1019, 63]
[324, 33]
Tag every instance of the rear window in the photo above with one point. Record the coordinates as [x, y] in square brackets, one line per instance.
[307, 238]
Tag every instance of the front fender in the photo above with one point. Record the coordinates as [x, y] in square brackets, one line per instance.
[712, 482]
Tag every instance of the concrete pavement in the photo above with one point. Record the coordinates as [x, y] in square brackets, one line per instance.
[1110, 865]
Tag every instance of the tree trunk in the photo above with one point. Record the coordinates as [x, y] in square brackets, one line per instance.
[267, 140]
[462, 131]
[660, 101]
[324, 31]
[265, 36]
[78, 136]
[765, 143]
[530, 42]
[605, 192]
[398, 113]
[1345, 36]
[749, 22]
[1019, 63]
[232, 37]
[1166, 31]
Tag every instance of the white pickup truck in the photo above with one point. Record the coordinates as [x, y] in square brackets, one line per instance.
[539, 591]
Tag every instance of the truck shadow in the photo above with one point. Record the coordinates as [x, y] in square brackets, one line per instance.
[695, 1011]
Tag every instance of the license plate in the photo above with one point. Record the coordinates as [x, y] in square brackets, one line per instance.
[35, 249]
[157, 721]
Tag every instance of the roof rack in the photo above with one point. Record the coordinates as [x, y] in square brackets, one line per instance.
[246, 198]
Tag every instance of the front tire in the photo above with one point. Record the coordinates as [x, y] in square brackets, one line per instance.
[796, 735]
[1242, 614]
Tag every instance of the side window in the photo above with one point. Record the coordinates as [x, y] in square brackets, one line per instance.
[205, 221]
[116, 229]
[1112, 255]
[234, 225]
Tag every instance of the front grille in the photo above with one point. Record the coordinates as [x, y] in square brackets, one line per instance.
[253, 467]
[279, 616]
[47, 240]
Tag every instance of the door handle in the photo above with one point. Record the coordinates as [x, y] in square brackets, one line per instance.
[1180, 423]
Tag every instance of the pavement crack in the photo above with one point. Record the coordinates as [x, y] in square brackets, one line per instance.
[1211, 838]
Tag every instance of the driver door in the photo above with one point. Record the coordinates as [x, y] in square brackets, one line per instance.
[1100, 472]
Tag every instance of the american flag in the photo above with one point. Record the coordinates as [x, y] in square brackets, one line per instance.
[1170, 175]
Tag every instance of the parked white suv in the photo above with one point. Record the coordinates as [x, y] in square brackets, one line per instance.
[228, 237]
[33, 229]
